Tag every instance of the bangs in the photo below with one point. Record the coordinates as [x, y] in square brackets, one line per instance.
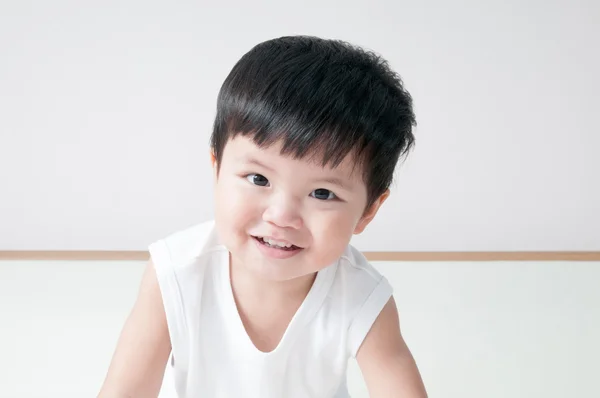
[321, 142]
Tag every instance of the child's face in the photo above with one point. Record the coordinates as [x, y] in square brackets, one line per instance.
[261, 193]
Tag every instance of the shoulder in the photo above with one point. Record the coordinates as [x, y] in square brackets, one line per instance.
[181, 261]
[187, 245]
[362, 291]
[182, 258]
[357, 273]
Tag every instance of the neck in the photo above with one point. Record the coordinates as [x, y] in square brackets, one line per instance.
[248, 284]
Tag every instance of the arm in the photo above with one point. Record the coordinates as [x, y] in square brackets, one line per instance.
[385, 361]
[138, 364]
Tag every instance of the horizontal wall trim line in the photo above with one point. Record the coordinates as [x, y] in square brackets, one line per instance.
[91, 255]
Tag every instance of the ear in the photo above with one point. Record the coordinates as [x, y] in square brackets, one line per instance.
[370, 213]
[214, 165]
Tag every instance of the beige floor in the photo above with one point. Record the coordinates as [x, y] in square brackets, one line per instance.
[492, 330]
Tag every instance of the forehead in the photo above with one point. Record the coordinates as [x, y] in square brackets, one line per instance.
[244, 149]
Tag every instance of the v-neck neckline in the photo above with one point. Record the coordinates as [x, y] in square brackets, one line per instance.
[308, 308]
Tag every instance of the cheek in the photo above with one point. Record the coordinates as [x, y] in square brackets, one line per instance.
[331, 232]
[235, 208]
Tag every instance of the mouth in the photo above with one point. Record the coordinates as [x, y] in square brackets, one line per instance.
[276, 244]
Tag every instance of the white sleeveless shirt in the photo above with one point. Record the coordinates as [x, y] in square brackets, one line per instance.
[212, 355]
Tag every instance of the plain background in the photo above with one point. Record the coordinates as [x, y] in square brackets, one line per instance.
[105, 112]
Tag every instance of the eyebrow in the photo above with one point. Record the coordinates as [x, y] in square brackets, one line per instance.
[336, 181]
[256, 162]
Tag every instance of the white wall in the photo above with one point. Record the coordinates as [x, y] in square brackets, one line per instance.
[106, 108]
[493, 330]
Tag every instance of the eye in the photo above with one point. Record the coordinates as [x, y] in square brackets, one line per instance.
[323, 194]
[258, 179]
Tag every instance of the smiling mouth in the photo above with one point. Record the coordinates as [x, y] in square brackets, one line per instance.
[275, 244]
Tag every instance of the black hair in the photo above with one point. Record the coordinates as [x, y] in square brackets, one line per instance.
[319, 97]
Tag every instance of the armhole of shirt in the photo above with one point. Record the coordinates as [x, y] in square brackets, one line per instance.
[367, 314]
[172, 300]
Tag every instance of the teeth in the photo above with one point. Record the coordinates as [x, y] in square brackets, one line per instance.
[276, 243]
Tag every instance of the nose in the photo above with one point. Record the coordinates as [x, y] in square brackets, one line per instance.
[283, 212]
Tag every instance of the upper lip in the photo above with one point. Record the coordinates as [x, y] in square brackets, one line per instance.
[287, 242]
